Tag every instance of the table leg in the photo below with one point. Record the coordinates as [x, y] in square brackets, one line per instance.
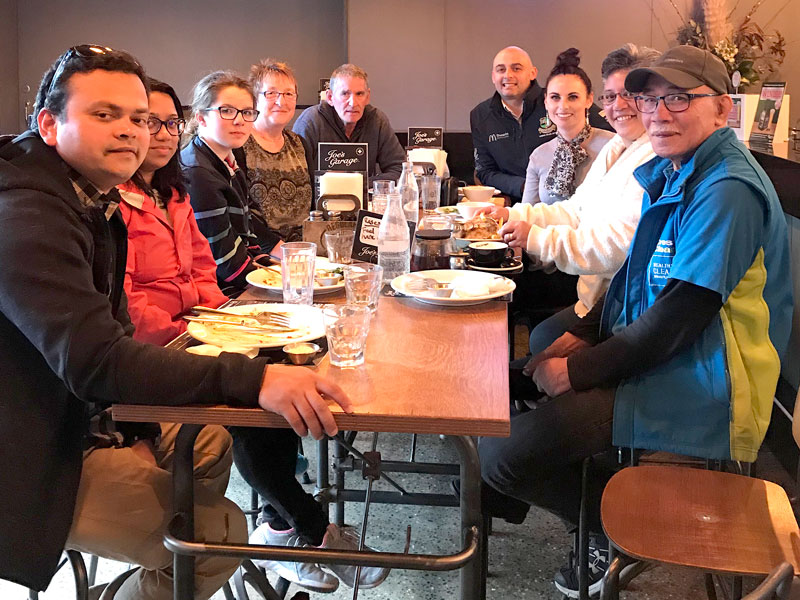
[339, 454]
[183, 507]
[323, 478]
[473, 576]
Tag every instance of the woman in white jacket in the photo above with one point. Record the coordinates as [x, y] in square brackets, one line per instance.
[589, 233]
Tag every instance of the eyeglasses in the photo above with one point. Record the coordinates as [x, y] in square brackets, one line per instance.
[609, 98]
[273, 95]
[174, 126]
[82, 51]
[674, 102]
[229, 113]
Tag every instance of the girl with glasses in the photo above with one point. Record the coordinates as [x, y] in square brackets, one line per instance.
[280, 185]
[223, 112]
[169, 266]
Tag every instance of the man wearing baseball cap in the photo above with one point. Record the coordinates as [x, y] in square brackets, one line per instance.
[684, 350]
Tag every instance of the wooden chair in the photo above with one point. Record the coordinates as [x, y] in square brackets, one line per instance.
[718, 522]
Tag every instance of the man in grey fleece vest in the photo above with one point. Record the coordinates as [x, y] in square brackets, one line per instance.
[346, 116]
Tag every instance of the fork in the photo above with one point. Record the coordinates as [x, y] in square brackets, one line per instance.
[263, 317]
[241, 324]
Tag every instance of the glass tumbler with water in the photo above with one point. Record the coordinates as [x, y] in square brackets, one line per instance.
[381, 189]
[297, 272]
[362, 284]
[346, 328]
[429, 192]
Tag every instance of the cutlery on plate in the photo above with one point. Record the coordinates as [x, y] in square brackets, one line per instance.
[265, 317]
[241, 324]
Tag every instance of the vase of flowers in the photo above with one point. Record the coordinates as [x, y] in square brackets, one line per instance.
[745, 49]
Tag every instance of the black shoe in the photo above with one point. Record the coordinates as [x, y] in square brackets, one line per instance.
[497, 504]
[566, 578]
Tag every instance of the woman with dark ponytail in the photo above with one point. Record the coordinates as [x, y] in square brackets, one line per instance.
[556, 168]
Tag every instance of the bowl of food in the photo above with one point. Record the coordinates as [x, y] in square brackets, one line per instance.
[478, 193]
[468, 208]
[327, 278]
[301, 353]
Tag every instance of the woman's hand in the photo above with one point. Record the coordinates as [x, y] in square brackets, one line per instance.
[515, 234]
[495, 212]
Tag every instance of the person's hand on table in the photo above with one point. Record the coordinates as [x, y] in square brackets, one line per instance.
[515, 234]
[296, 395]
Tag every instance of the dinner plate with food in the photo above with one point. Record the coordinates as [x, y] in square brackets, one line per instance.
[328, 277]
[257, 325]
[446, 287]
[482, 227]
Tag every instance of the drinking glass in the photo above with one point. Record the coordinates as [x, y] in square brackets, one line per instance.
[346, 328]
[340, 245]
[429, 191]
[380, 192]
[362, 284]
[297, 272]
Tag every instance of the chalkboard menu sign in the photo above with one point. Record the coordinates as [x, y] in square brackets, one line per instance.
[424, 137]
[342, 156]
[365, 242]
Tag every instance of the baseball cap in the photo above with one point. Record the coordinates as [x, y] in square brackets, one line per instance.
[684, 67]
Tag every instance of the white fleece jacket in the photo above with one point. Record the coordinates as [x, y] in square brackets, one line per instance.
[589, 234]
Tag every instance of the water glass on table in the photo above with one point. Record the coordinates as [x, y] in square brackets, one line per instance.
[429, 192]
[380, 194]
[297, 272]
[340, 245]
[362, 284]
[346, 328]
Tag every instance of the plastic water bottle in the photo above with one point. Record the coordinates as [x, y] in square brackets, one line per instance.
[409, 190]
[394, 247]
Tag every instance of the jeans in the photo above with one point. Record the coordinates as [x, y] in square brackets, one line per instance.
[540, 463]
[266, 459]
[552, 328]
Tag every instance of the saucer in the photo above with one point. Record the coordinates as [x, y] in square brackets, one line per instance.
[514, 267]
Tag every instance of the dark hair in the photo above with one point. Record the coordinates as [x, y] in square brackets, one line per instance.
[567, 64]
[206, 91]
[79, 59]
[627, 57]
[170, 176]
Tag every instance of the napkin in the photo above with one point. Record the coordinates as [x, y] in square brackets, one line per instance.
[431, 155]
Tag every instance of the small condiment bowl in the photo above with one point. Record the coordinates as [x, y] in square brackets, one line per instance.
[441, 290]
[301, 353]
[329, 279]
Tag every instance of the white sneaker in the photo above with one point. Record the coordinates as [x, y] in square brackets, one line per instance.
[346, 538]
[307, 575]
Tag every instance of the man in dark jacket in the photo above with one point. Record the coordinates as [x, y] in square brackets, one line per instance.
[71, 476]
[347, 116]
[507, 127]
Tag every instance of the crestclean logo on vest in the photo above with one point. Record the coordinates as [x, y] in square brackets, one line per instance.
[493, 137]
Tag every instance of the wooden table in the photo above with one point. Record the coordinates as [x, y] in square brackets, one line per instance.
[428, 369]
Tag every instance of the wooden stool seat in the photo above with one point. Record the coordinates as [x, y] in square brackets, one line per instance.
[717, 522]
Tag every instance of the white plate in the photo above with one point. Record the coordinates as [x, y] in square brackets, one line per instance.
[307, 320]
[517, 266]
[264, 279]
[497, 286]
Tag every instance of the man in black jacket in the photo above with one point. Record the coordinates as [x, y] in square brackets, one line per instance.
[71, 476]
[507, 127]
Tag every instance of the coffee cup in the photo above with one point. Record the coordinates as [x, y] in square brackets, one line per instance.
[489, 253]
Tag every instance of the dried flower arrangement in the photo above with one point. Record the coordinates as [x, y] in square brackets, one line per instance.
[746, 48]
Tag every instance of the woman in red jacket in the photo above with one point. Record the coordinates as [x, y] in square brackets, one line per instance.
[170, 267]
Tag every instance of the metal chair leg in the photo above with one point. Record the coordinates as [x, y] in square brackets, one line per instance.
[113, 587]
[711, 590]
[79, 572]
[583, 533]
[93, 569]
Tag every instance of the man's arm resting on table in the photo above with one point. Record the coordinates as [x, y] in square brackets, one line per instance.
[673, 322]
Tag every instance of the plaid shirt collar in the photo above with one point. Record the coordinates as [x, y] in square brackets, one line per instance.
[90, 196]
